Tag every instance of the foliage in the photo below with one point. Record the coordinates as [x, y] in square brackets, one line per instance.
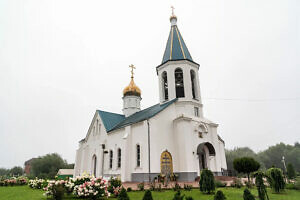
[114, 184]
[187, 187]
[219, 184]
[246, 165]
[219, 195]
[178, 196]
[37, 183]
[189, 198]
[237, 183]
[55, 189]
[294, 185]
[16, 171]
[259, 182]
[123, 195]
[141, 186]
[247, 195]
[207, 181]
[237, 153]
[47, 166]
[148, 195]
[269, 157]
[13, 181]
[275, 179]
[95, 188]
[291, 173]
[176, 187]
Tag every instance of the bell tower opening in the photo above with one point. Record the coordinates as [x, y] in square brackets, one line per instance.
[165, 86]
[179, 83]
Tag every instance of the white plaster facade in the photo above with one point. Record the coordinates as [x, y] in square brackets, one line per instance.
[180, 128]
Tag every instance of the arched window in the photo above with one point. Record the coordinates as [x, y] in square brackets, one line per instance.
[165, 85]
[179, 83]
[94, 161]
[193, 80]
[138, 155]
[110, 159]
[119, 158]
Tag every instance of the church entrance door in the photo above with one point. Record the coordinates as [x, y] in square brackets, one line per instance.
[202, 150]
[166, 164]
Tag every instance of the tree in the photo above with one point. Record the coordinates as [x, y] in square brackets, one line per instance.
[261, 188]
[4, 172]
[123, 195]
[47, 166]
[148, 195]
[16, 171]
[207, 181]
[219, 195]
[275, 179]
[291, 171]
[247, 195]
[246, 165]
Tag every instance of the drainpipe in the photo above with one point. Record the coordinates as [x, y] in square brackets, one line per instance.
[149, 170]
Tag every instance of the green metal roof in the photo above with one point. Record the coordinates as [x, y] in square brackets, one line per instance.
[113, 121]
[176, 48]
[110, 120]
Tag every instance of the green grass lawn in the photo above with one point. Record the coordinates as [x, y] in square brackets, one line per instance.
[26, 193]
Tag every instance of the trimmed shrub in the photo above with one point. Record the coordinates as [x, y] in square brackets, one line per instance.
[207, 181]
[247, 195]
[219, 195]
[141, 186]
[148, 195]
[187, 187]
[178, 196]
[275, 179]
[123, 195]
[129, 189]
[219, 184]
[237, 183]
[259, 182]
[176, 187]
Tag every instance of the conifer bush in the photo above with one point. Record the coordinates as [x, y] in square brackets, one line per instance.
[207, 181]
[275, 179]
[148, 195]
[123, 195]
[219, 195]
[247, 195]
[178, 196]
[261, 188]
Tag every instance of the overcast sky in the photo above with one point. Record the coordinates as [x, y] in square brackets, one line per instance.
[61, 60]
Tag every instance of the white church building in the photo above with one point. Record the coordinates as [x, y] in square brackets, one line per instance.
[171, 137]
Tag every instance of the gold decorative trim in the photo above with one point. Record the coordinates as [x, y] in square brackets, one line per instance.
[171, 46]
[180, 44]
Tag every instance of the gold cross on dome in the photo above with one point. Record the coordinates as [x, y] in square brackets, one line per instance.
[172, 7]
[132, 67]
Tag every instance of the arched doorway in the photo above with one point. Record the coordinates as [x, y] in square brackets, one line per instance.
[203, 150]
[166, 164]
[94, 165]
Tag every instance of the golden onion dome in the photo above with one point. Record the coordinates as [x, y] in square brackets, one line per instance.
[132, 88]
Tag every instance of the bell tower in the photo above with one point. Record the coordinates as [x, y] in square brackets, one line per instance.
[178, 73]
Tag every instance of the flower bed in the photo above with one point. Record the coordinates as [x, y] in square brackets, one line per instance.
[14, 181]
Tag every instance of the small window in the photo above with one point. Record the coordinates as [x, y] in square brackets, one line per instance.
[165, 85]
[138, 155]
[193, 82]
[110, 159]
[99, 131]
[196, 111]
[119, 158]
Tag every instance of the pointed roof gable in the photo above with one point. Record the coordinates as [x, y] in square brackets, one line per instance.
[110, 120]
[176, 48]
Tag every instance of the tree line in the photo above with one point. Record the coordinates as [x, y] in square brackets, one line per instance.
[271, 157]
